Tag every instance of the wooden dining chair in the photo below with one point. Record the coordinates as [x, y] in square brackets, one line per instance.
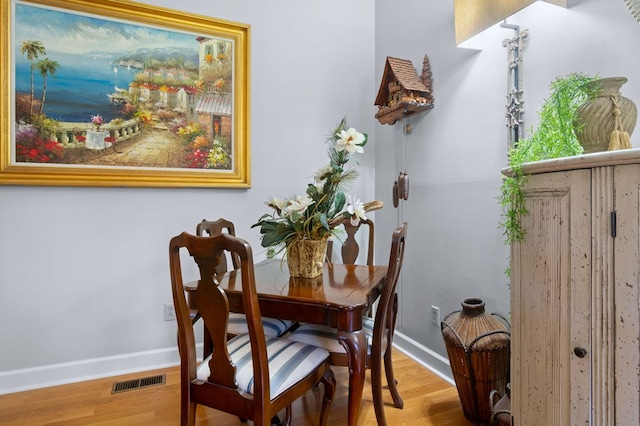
[379, 331]
[350, 249]
[251, 376]
[237, 322]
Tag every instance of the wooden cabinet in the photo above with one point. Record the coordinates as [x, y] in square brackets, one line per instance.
[575, 311]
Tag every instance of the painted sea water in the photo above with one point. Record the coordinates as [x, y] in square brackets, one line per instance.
[80, 86]
[86, 49]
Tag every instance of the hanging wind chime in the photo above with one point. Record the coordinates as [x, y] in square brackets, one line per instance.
[403, 94]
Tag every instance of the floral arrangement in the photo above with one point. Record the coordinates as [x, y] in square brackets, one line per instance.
[97, 121]
[314, 214]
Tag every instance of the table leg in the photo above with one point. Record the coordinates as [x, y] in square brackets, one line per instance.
[355, 344]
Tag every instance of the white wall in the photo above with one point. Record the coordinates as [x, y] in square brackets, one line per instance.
[456, 151]
[84, 271]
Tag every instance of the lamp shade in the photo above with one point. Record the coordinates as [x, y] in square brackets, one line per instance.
[475, 16]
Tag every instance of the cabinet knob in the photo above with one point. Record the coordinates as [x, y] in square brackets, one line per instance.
[580, 352]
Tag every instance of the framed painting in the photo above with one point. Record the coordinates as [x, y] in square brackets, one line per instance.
[119, 93]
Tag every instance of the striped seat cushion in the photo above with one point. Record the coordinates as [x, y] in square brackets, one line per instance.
[327, 337]
[272, 326]
[289, 362]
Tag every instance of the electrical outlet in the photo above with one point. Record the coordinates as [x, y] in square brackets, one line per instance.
[435, 315]
[169, 312]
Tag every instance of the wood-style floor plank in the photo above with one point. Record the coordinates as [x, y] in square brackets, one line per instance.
[428, 400]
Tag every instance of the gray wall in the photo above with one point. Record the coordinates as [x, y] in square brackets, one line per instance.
[84, 271]
[456, 151]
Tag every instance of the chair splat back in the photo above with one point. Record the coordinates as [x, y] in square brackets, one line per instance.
[237, 322]
[350, 248]
[215, 313]
[215, 227]
[212, 303]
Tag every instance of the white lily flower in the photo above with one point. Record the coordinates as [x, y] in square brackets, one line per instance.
[277, 203]
[320, 174]
[298, 204]
[350, 139]
[355, 208]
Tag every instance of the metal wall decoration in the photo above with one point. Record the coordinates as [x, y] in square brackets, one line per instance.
[515, 110]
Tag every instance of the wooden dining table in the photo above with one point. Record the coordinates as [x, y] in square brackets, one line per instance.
[338, 298]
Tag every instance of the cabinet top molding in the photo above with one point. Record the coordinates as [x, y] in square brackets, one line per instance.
[585, 161]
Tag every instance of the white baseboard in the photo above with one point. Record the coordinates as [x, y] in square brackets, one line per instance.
[424, 356]
[89, 369]
[97, 368]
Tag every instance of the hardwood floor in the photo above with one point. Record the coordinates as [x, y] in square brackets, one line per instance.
[428, 400]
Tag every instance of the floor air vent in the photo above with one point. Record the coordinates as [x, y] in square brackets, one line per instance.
[144, 382]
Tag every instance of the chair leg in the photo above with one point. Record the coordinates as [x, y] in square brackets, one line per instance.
[191, 414]
[391, 381]
[388, 363]
[376, 388]
[289, 415]
[329, 382]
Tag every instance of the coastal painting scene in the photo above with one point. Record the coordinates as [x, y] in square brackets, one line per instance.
[91, 91]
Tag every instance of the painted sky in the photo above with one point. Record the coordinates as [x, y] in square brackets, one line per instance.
[76, 33]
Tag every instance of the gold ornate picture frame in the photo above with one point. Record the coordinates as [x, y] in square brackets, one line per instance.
[118, 93]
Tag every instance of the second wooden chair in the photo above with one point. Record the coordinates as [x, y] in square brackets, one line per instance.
[238, 322]
[379, 332]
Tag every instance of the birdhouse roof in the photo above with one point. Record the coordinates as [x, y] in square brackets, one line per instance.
[405, 73]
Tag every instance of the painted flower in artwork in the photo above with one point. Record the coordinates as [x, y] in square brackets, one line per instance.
[97, 121]
[220, 86]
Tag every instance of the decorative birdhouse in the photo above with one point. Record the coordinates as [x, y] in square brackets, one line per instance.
[402, 92]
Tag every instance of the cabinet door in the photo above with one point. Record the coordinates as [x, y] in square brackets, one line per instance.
[551, 303]
[627, 306]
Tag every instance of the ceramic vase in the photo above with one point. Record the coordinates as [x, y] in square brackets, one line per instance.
[595, 120]
[479, 346]
[305, 258]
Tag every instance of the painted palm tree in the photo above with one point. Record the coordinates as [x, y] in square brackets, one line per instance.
[46, 67]
[33, 49]
[634, 7]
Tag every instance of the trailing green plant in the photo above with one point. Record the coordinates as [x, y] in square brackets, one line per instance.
[553, 138]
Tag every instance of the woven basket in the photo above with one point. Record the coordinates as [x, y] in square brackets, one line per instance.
[478, 346]
[500, 411]
[305, 258]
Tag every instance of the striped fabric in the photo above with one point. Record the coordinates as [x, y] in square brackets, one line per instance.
[327, 337]
[289, 362]
[272, 326]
